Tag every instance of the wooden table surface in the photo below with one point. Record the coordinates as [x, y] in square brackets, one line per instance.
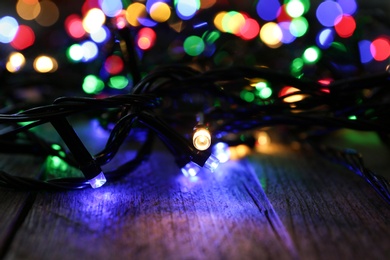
[279, 202]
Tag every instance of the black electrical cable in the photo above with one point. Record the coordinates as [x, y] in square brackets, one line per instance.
[159, 102]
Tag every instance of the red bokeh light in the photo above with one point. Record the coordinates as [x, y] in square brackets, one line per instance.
[24, 38]
[113, 64]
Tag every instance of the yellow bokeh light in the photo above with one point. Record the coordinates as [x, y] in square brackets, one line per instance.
[134, 12]
[93, 20]
[232, 22]
[15, 62]
[30, 2]
[239, 151]
[218, 21]
[160, 12]
[28, 10]
[271, 35]
[49, 14]
[263, 138]
[292, 98]
[45, 64]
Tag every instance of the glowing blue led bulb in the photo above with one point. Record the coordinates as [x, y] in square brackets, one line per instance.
[211, 163]
[191, 169]
[98, 181]
[221, 151]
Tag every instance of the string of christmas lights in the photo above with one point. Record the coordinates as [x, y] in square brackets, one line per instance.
[159, 104]
[217, 90]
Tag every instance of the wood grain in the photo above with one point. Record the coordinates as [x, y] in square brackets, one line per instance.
[14, 205]
[280, 203]
[328, 211]
[156, 214]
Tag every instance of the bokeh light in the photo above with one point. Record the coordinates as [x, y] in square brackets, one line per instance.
[186, 9]
[93, 20]
[365, 51]
[348, 6]
[295, 8]
[248, 96]
[8, 29]
[113, 64]
[193, 45]
[92, 84]
[380, 48]
[263, 89]
[135, 12]
[15, 62]
[345, 26]
[100, 35]
[118, 82]
[45, 64]
[299, 26]
[271, 35]
[325, 38]
[232, 22]
[287, 36]
[28, 10]
[111, 8]
[74, 26]
[49, 13]
[75, 52]
[250, 30]
[268, 9]
[90, 50]
[287, 93]
[311, 55]
[327, 13]
[24, 38]
[146, 38]
[218, 20]
[160, 12]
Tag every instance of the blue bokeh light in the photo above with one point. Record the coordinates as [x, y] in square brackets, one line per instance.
[268, 10]
[8, 29]
[325, 38]
[365, 51]
[328, 12]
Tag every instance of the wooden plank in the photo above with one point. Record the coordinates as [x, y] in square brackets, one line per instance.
[156, 213]
[14, 205]
[309, 209]
[329, 212]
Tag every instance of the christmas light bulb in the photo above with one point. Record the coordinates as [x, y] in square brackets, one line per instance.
[201, 138]
[191, 169]
[98, 181]
[222, 152]
[211, 163]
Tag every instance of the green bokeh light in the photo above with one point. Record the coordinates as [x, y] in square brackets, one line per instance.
[299, 26]
[193, 45]
[75, 52]
[56, 164]
[311, 55]
[211, 37]
[247, 96]
[92, 84]
[265, 93]
[56, 147]
[295, 8]
[118, 82]
[297, 65]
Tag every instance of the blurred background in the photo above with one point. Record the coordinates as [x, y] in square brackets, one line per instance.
[52, 48]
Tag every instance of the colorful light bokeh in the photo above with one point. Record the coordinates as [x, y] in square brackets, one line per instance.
[188, 29]
[24, 38]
